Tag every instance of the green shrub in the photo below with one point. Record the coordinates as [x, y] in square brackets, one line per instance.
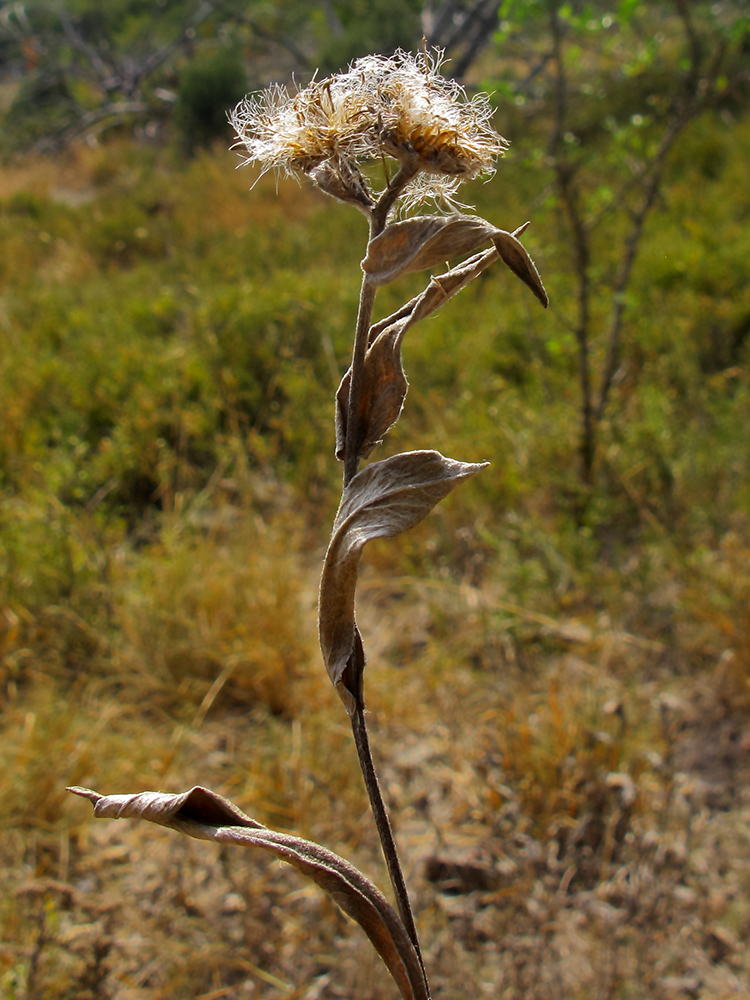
[209, 86]
[41, 110]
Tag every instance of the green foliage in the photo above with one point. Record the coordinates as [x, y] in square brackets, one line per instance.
[41, 107]
[209, 86]
[359, 27]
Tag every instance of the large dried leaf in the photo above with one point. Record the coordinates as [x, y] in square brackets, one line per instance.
[203, 814]
[384, 388]
[426, 241]
[381, 501]
[423, 242]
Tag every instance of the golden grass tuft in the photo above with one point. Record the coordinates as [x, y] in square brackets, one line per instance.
[222, 617]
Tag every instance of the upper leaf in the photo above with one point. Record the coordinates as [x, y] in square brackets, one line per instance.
[426, 241]
[203, 814]
[381, 501]
[384, 382]
[423, 242]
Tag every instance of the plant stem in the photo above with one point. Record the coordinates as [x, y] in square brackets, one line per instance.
[385, 832]
[406, 172]
[364, 316]
[378, 220]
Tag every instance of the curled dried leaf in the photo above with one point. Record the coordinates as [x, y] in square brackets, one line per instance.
[421, 243]
[384, 388]
[443, 287]
[381, 501]
[341, 179]
[205, 815]
[515, 255]
[385, 384]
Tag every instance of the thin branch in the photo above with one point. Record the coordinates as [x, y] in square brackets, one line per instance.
[443, 21]
[464, 25]
[697, 95]
[204, 11]
[481, 34]
[694, 43]
[632, 243]
[281, 38]
[126, 75]
[333, 21]
[89, 52]
[564, 175]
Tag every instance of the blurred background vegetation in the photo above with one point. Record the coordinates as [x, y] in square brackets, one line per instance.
[560, 656]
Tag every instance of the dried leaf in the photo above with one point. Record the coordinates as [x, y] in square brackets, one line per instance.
[443, 287]
[383, 392]
[385, 385]
[381, 501]
[515, 255]
[343, 182]
[423, 242]
[203, 814]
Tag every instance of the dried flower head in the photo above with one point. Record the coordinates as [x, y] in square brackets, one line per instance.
[397, 106]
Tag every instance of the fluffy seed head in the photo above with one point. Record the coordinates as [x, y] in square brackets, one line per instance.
[398, 106]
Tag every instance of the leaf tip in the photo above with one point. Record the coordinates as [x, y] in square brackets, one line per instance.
[521, 229]
[513, 253]
[85, 793]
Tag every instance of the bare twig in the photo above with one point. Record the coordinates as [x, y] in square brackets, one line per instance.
[697, 93]
[630, 251]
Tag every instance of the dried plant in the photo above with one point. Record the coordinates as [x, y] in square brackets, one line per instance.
[382, 109]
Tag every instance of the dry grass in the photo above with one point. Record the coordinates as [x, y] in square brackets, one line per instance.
[555, 843]
[572, 816]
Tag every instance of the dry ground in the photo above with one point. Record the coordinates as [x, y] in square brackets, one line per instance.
[566, 831]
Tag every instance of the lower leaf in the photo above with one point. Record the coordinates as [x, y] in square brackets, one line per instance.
[205, 815]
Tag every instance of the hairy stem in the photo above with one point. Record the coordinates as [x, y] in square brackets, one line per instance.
[385, 832]
[405, 173]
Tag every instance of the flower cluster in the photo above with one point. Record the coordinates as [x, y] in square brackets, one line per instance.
[397, 106]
